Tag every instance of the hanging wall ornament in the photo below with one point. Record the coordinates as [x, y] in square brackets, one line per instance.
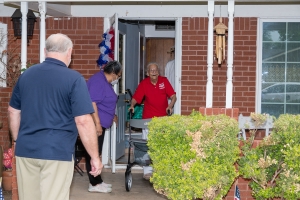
[220, 30]
[106, 48]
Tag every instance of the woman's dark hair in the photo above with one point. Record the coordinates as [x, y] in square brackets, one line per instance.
[113, 67]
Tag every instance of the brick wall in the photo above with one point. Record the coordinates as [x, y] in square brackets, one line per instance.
[194, 66]
[5, 94]
[86, 34]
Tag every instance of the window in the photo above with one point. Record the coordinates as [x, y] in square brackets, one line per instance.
[279, 67]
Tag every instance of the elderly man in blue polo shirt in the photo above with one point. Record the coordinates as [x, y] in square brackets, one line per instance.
[50, 105]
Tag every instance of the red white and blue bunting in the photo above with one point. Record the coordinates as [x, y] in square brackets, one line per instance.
[106, 48]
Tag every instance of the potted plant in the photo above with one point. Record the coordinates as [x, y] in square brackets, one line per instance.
[7, 169]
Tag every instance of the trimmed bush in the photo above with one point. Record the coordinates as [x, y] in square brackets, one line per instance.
[274, 166]
[193, 156]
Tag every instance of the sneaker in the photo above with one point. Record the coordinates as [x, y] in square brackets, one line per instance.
[99, 188]
[106, 185]
[147, 176]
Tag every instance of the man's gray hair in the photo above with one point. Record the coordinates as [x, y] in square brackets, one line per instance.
[152, 63]
[58, 43]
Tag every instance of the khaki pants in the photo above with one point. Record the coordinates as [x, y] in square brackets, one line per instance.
[44, 179]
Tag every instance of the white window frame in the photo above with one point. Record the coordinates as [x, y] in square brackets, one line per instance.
[260, 22]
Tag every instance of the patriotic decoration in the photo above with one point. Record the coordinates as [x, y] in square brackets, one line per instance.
[106, 48]
[237, 193]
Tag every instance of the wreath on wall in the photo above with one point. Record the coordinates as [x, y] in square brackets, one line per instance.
[106, 47]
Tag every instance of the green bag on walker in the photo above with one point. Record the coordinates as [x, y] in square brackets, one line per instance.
[138, 111]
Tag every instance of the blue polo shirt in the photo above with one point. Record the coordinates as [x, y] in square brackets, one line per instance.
[49, 96]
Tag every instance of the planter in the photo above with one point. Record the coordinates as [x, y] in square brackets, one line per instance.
[7, 180]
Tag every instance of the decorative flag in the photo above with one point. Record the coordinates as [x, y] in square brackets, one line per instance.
[1, 194]
[237, 193]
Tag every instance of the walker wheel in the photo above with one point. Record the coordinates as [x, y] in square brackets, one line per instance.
[128, 181]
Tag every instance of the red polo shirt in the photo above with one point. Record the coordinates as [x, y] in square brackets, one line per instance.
[155, 96]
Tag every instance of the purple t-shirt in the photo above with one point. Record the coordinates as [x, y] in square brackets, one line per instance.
[103, 94]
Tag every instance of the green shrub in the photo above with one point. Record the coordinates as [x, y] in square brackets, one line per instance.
[193, 156]
[274, 166]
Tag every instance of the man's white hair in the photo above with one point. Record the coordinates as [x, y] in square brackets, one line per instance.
[58, 43]
[152, 63]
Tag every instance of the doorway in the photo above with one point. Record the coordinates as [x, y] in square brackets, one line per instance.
[159, 50]
[146, 41]
[138, 35]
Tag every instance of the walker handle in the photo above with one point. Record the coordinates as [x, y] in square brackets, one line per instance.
[169, 113]
[129, 92]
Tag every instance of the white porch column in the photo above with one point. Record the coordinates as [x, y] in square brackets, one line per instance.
[229, 85]
[209, 84]
[24, 11]
[42, 10]
[178, 64]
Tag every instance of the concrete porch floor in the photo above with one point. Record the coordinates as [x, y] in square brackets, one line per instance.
[141, 188]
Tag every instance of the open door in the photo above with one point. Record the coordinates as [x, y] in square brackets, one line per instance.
[142, 72]
[121, 105]
[117, 142]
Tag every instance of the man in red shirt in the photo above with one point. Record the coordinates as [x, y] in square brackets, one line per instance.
[155, 90]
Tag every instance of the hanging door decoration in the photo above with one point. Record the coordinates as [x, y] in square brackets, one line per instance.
[106, 48]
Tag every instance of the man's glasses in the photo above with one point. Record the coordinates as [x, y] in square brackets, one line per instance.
[153, 70]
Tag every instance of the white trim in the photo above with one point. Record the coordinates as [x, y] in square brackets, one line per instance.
[123, 61]
[113, 130]
[198, 10]
[210, 53]
[178, 64]
[229, 84]
[161, 11]
[106, 24]
[258, 66]
[24, 11]
[152, 33]
[42, 10]
[139, 58]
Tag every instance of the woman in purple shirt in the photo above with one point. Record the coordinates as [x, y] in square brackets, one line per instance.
[104, 100]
